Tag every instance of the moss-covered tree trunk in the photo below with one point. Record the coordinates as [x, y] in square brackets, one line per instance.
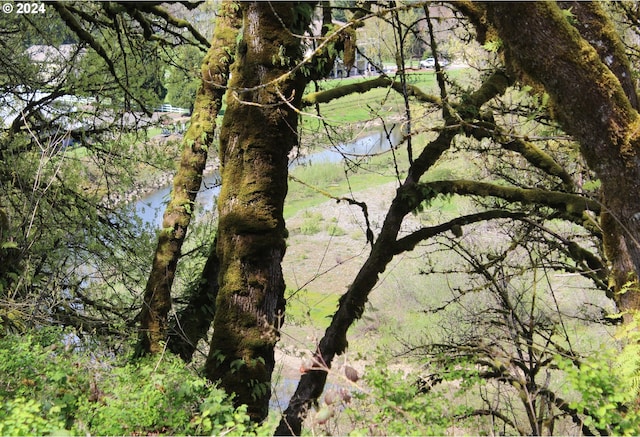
[186, 183]
[585, 72]
[258, 131]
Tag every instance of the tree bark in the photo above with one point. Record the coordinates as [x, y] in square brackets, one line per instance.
[186, 183]
[193, 322]
[592, 104]
[258, 132]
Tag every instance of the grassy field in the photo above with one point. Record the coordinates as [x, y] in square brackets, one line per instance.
[374, 104]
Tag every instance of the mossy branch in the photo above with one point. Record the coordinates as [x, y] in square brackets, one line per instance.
[529, 151]
[186, 183]
[158, 11]
[588, 264]
[573, 204]
[329, 95]
[596, 28]
[539, 159]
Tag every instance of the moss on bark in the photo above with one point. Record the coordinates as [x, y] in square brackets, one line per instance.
[186, 183]
[592, 105]
[258, 131]
[572, 204]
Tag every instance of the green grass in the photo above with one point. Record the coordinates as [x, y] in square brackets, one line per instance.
[154, 131]
[348, 110]
[376, 103]
[307, 307]
[311, 223]
[76, 152]
[329, 178]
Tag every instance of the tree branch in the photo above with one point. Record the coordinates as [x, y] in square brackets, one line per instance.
[410, 241]
[573, 204]
[86, 36]
[327, 96]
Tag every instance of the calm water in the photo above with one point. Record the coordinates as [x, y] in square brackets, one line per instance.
[151, 207]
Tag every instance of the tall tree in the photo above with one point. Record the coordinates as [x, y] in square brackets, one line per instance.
[586, 72]
[606, 109]
[186, 183]
[386, 246]
[63, 232]
[258, 132]
[73, 135]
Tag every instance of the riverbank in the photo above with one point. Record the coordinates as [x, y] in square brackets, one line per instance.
[158, 180]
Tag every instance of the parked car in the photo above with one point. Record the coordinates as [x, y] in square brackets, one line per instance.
[428, 63]
[431, 62]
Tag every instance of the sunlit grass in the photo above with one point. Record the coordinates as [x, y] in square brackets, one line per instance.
[308, 307]
[377, 103]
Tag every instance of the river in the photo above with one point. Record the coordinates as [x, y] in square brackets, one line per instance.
[151, 207]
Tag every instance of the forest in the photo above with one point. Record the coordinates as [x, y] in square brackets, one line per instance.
[343, 217]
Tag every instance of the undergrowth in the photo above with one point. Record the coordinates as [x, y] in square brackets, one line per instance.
[54, 384]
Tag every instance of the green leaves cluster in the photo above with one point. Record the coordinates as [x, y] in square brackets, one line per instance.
[55, 384]
[393, 405]
[606, 394]
[183, 76]
[609, 385]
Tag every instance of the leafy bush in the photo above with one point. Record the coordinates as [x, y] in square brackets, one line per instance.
[605, 400]
[48, 388]
[22, 416]
[607, 385]
[389, 403]
[42, 383]
[311, 223]
[335, 230]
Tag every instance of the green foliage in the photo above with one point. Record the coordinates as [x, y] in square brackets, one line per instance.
[183, 77]
[48, 388]
[339, 11]
[22, 416]
[141, 398]
[217, 416]
[61, 178]
[392, 405]
[311, 223]
[569, 16]
[608, 384]
[41, 383]
[11, 319]
[141, 68]
[493, 45]
[302, 17]
[335, 231]
[606, 389]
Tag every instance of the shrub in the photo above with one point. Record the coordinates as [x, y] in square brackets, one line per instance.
[41, 383]
[335, 230]
[22, 416]
[387, 403]
[48, 388]
[311, 223]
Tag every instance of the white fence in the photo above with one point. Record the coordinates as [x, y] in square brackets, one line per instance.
[169, 108]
